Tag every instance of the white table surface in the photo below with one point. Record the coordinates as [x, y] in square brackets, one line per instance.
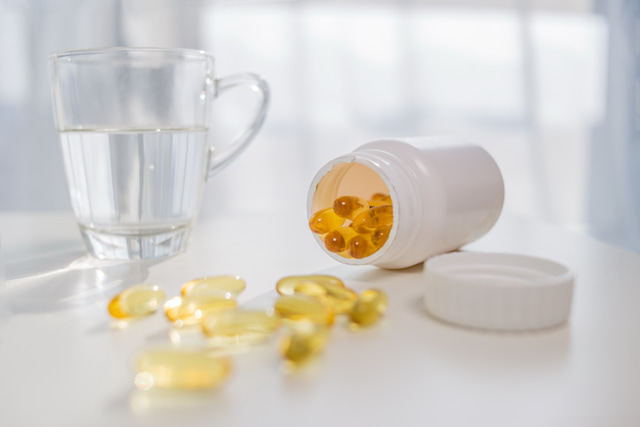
[61, 363]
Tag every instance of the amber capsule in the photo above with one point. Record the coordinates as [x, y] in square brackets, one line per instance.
[380, 236]
[381, 197]
[340, 298]
[300, 308]
[349, 206]
[287, 285]
[338, 239]
[189, 310]
[231, 327]
[361, 247]
[215, 285]
[179, 370]
[303, 342]
[369, 307]
[136, 301]
[373, 218]
[324, 221]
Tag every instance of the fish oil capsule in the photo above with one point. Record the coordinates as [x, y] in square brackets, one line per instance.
[381, 197]
[380, 236]
[136, 301]
[189, 310]
[179, 370]
[349, 206]
[369, 307]
[338, 239]
[324, 221]
[303, 342]
[373, 218]
[361, 247]
[241, 327]
[214, 285]
[340, 298]
[297, 308]
[312, 289]
[287, 285]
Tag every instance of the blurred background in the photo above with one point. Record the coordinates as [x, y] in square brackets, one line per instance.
[548, 87]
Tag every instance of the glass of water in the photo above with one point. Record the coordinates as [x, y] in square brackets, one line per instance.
[134, 132]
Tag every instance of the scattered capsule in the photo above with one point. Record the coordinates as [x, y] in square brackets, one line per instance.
[340, 298]
[380, 236]
[361, 247]
[338, 239]
[179, 370]
[303, 342]
[369, 307]
[241, 327]
[373, 218]
[381, 197]
[189, 310]
[287, 285]
[312, 289]
[324, 221]
[298, 308]
[136, 301]
[349, 206]
[215, 285]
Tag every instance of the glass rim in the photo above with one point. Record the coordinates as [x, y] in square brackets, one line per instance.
[79, 53]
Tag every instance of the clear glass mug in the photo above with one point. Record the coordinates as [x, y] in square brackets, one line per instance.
[133, 126]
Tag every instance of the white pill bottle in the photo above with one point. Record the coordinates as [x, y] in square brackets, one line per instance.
[445, 193]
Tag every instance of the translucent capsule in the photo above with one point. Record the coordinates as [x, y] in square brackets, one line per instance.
[324, 221]
[381, 197]
[300, 308]
[136, 301]
[361, 247]
[373, 218]
[338, 239]
[340, 298]
[303, 342]
[369, 307]
[243, 327]
[349, 206]
[189, 310]
[179, 370]
[215, 285]
[380, 236]
[287, 285]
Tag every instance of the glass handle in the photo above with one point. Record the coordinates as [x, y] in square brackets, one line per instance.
[219, 158]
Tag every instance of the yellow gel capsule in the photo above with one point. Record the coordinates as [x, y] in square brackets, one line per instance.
[324, 221]
[349, 206]
[189, 310]
[303, 342]
[340, 298]
[381, 197]
[312, 289]
[179, 370]
[369, 307]
[136, 301]
[287, 285]
[241, 327]
[373, 218]
[380, 236]
[361, 247]
[337, 240]
[298, 308]
[214, 285]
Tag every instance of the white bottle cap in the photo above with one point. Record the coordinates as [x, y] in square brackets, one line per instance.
[497, 291]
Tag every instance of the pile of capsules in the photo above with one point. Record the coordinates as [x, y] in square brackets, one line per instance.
[354, 227]
[304, 312]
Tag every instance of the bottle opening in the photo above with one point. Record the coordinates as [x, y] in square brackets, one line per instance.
[351, 211]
